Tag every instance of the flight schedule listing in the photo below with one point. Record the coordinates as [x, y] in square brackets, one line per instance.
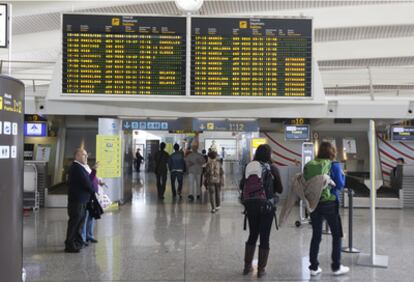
[251, 57]
[134, 55]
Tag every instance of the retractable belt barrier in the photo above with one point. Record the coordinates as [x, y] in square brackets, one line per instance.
[350, 248]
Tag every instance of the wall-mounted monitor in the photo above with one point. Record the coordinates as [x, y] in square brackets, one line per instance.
[35, 129]
[297, 132]
[402, 133]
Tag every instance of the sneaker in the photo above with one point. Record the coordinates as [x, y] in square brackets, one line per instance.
[213, 211]
[218, 207]
[315, 272]
[342, 270]
[191, 197]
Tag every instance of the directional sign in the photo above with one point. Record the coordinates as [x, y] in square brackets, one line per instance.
[225, 125]
[191, 125]
[147, 124]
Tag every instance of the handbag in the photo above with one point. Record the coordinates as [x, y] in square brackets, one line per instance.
[94, 208]
[103, 198]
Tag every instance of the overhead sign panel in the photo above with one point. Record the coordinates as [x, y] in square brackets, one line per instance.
[147, 124]
[195, 125]
[402, 133]
[297, 132]
[225, 125]
[134, 55]
[251, 57]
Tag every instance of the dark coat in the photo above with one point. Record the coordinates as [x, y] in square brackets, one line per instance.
[80, 185]
[161, 162]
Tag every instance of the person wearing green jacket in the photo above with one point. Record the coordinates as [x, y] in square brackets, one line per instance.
[328, 208]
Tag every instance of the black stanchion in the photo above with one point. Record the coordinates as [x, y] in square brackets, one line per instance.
[350, 248]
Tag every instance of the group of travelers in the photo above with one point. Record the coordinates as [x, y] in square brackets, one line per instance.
[203, 170]
[318, 186]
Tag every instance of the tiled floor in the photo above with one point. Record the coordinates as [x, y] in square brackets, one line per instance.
[180, 241]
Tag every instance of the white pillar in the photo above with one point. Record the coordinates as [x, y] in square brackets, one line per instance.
[372, 259]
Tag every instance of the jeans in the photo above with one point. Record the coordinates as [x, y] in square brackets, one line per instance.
[194, 180]
[161, 182]
[177, 176]
[260, 223]
[214, 191]
[76, 213]
[330, 212]
[88, 227]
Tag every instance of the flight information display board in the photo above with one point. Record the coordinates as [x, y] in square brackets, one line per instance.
[251, 57]
[133, 55]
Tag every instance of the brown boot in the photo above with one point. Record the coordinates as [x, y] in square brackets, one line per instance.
[261, 265]
[248, 258]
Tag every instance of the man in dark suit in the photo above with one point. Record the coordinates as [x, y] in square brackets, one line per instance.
[80, 191]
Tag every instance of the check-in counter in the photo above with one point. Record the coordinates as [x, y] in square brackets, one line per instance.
[408, 186]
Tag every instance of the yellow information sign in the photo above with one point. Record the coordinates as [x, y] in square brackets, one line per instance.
[108, 153]
[256, 142]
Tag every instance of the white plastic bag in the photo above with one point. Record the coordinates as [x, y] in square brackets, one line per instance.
[103, 198]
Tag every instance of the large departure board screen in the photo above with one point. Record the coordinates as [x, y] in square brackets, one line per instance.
[123, 55]
[251, 57]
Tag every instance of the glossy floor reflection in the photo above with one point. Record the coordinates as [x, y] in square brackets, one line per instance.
[147, 240]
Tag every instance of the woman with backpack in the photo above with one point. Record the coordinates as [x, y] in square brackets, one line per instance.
[260, 182]
[327, 208]
[213, 180]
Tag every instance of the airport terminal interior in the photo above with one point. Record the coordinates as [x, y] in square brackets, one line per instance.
[143, 92]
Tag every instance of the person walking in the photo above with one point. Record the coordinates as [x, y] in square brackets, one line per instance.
[204, 153]
[138, 159]
[161, 161]
[213, 180]
[80, 191]
[260, 210]
[194, 162]
[177, 168]
[327, 208]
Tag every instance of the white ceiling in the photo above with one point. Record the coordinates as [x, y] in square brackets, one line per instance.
[349, 35]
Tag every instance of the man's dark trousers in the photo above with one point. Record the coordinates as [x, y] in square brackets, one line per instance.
[177, 175]
[76, 213]
[161, 182]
